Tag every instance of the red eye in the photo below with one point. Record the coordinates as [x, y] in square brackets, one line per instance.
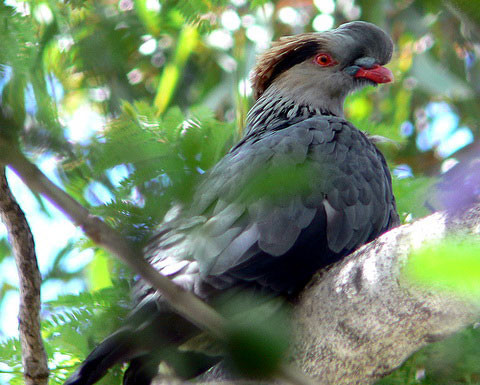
[325, 60]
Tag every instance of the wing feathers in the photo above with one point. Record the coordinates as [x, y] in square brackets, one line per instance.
[232, 238]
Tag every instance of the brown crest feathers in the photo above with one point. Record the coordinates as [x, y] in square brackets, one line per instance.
[284, 54]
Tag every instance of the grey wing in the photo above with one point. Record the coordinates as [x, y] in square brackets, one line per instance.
[359, 201]
[277, 234]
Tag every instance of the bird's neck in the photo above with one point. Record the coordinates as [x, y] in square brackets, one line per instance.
[279, 108]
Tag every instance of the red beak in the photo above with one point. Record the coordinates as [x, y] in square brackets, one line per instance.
[377, 74]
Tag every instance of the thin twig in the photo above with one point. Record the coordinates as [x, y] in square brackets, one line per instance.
[34, 358]
[184, 302]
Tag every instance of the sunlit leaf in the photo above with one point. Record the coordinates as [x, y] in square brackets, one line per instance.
[452, 265]
[438, 80]
[99, 271]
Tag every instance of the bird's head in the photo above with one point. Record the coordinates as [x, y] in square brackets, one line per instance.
[320, 69]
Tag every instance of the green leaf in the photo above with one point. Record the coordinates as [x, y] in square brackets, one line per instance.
[5, 249]
[99, 271]
[258, 333]
[452, 265]
[256, 349]
[412, 194]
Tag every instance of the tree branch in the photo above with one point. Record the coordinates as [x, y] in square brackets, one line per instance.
[34, 358]
[182, 301]
[361, 319]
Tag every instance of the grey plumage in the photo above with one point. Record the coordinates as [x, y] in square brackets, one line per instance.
[328, 146]
[302, 189]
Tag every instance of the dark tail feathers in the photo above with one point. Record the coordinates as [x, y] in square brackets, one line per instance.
[118, 347]
[147, 333]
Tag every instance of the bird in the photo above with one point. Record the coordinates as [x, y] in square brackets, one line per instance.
[302, 189]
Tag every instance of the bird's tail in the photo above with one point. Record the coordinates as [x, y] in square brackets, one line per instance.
[147, 333]
[118, 347]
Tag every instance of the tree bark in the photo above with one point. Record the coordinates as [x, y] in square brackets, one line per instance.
[361, 319]
[34, 358]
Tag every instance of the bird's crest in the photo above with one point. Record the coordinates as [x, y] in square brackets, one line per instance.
[284, 54]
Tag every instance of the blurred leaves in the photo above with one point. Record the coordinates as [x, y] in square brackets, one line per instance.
[452, 265]
[258, 333]
[410, 194]
[99, 271]
[116, 94]
[20, 34]
[255, 348]
[169, 78]
[450, 362]
[437, 80]
[279, 182]
[5, 249]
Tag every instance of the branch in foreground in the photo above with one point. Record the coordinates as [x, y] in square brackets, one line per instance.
[182, 301]
[361, 319]
[34, 358]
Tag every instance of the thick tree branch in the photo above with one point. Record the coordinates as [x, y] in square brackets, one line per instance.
[34, 358]
[361, 319]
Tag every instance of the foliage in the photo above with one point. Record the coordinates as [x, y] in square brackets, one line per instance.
[134, 100]
[450, 362]
[452, 265]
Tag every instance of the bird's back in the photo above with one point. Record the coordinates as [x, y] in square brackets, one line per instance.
[279, 206]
